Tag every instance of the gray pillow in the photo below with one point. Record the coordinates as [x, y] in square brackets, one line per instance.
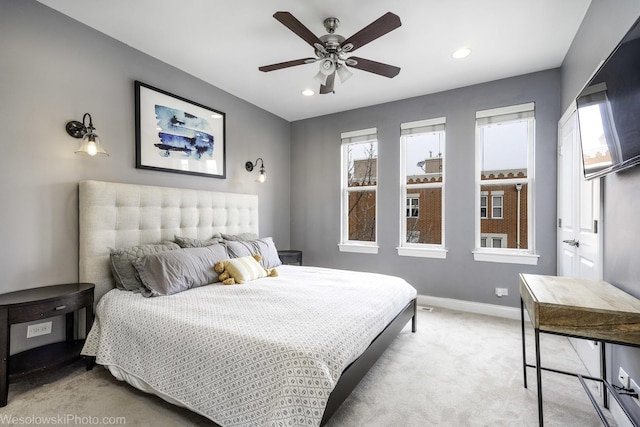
[264, 247]
[242, 237]
[122, 269]
[168, 273]
[189, 242]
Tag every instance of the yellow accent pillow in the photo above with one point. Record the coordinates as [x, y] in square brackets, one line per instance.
[245, 269]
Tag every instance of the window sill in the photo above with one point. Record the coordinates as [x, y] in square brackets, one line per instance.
[358, 248]
[506, 257]
[438, 253]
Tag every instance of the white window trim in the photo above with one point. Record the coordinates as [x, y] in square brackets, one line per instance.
[499, 255]
[508, 256]
[346, 245]
[361, 248]
[421, 250]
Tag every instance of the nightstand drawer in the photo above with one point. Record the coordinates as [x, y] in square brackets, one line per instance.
[42, 310]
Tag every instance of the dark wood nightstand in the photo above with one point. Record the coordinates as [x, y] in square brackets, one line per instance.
[34, 304]
[290, 257]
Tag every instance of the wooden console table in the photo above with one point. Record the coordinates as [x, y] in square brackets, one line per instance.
[586, 309]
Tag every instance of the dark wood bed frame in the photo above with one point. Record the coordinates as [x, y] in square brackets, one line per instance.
[353, 373]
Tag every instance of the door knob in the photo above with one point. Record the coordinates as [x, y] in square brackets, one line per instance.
[572, 242]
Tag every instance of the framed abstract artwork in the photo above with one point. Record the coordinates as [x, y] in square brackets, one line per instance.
[174, 134]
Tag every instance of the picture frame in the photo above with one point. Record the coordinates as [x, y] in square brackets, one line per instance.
[175, 134]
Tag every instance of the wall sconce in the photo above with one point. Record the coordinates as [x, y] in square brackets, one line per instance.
[90, 141]
[263, 174]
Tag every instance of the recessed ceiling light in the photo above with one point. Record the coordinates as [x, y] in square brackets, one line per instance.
[463, 52]
[308, 92]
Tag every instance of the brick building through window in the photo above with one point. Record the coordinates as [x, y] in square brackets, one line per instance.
[506, 225]
[503, 209]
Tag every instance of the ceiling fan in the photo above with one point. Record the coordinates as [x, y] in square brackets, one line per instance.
[331, 50]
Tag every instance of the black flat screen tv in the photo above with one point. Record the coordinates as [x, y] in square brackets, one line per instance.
[609, 111]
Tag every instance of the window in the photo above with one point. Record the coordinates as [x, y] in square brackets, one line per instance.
[504, 175]
[483, 206]
[496, 207]
[422, 157]
[359, 191]
[493, 241]
[413, 206]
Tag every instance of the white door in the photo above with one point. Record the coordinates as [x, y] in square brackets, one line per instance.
[579, 223]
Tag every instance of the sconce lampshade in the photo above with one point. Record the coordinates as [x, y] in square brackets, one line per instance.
[90, 145]
[263, 173]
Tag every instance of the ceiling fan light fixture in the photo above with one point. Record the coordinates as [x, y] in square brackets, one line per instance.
[327, 66]
[331, 49]
[343, 73]
[319, 48]
[321, 77]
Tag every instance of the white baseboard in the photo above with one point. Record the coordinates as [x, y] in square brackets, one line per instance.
[618, 415]
[472, 307]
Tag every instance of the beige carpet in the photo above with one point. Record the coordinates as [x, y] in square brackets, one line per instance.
[459, 369]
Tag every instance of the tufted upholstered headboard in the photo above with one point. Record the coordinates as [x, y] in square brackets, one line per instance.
[114, 215]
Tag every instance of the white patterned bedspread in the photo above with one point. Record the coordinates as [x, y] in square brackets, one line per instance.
[265, 353]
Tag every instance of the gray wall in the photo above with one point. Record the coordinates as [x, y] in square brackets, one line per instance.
[604, 25]
[315, 188]
[54, 69]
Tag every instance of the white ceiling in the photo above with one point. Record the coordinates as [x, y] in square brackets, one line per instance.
[224, 43]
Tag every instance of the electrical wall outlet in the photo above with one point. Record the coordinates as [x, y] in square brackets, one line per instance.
[635, 388]
[39, 329]
[623, 377]
[502, 292]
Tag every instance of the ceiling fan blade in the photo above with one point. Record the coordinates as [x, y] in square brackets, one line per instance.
[290, 21]
[286, 64]
[386, 23]
[328, 87]
[374, 67]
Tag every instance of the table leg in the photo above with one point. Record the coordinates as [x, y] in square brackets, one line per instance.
[69, 326]
[539, 377]
[524, 349]
[88, 314]
[414, 319]
[603, 373]
[88, 320]
[4, 356]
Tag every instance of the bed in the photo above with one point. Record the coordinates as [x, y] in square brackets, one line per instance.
[283, 350]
